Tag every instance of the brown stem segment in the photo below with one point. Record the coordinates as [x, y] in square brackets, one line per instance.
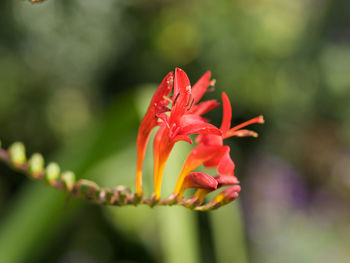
[88, 190]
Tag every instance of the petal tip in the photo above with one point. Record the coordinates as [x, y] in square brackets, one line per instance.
[261, 119]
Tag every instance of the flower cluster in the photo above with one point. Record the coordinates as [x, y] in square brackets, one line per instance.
[176, 123]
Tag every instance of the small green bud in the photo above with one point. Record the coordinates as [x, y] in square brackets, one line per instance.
[17, 154]
[36, 164]
[52, 173]
[68, 179]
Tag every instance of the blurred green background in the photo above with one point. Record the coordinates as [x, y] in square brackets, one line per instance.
[76, 77]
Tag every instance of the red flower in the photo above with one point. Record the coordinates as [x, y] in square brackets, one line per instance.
[157, 106]
[211, 152]
[181, 123]
[176, 124]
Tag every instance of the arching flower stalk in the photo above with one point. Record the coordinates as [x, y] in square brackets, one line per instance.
[176, 109]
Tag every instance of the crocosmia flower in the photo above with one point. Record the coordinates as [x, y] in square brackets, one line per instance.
[157, 106]
[177, 109]
[177, 127]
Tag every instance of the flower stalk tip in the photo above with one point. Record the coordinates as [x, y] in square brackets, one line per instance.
[52, 173]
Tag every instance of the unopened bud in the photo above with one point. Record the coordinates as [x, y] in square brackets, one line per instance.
[228, 194]
[36, 164]
[52, 173]
[224, 180]
[68, 179]
[17, 154]
[198, 180]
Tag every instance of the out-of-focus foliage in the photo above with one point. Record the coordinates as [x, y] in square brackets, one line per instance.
[75, 77]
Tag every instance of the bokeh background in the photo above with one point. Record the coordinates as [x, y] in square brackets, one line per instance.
[76, 77]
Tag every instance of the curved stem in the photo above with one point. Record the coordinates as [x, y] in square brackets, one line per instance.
[85, 189]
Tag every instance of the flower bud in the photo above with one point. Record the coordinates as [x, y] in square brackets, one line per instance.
[68, 179]
[228, 194]
[224, 180]
[17, 154]
[52, 173]
[36, 164]
[198, 180]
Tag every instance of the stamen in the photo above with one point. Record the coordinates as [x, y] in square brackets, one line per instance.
[192, 102]
[167, 99]
[177, 96]
[189, 99]
[212, 82]
[163, 109]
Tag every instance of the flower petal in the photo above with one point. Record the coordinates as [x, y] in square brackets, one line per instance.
[224, 180]
[182, 93]
[162, 147]
[213, 162]
[209, 139]
[204, 107]
[201, 86]
[222, 160]
[163, 91]
[226, 165]
[158, 105]
[200, 154]
[227, 114]
[164, 119]
[192, 124]
[200, 180]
